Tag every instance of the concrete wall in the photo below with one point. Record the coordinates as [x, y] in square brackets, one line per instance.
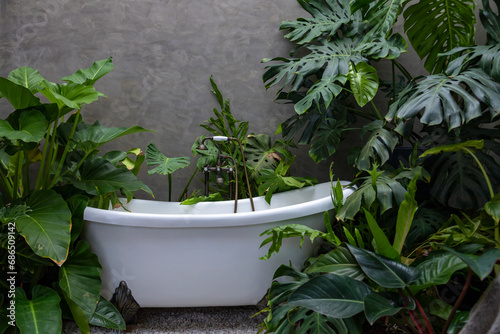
[164, 53]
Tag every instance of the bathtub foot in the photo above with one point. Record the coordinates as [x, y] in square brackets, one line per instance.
[125, 303]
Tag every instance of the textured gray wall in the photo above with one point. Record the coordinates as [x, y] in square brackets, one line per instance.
[164, 53]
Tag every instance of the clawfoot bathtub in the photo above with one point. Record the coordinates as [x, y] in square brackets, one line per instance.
[173, 255]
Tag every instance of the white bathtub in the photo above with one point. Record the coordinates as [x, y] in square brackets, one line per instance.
[173, 255]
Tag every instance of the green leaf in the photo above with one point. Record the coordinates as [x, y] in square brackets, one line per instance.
[163, 164]
[382, 244]
[332, 295]
[210, 198]
[406, 212]
[338, 261]
[364, 82]
[378, 146]
[385, 272]
[99, 177]
[327, 138]
[437, 26]
[493, 209]
[106, 315]
[482, 265]
[491, 22]
[41, 314]
[69, 96]
[90, 75]
[377, 306]
[324, 91]
[436, 269]
[79, 278]
[477, 144]
[19, 96]
[433, 98]
[47, 227]
[27, 77]
[28, 126]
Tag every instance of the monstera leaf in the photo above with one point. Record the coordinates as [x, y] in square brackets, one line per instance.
[490, 21]
[382, 13]
[437, 26]
[328, 17]
[378, 146]
[90, 75]
[432, 97]
[40, 314]
[327, 138]
[261, 154]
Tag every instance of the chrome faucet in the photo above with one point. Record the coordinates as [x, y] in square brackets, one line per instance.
[219, 167]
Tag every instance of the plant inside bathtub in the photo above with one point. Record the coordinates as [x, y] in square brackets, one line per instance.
[49, 171]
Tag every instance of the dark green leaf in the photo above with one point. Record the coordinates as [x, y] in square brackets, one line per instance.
[106, 315]
[338, 261]
[482, 265]
[41, 314]
[377, 306]
[163, 164]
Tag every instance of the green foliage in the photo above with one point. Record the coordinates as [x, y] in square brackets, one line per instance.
[52, 142]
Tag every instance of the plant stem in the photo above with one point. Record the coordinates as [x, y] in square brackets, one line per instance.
[457, 303]
[379, 116]
[424, 315]
[6, 184]
[407, 302]
[184, 191]
[39, 180]
[170, 187]
[486, 178]
[402, 69]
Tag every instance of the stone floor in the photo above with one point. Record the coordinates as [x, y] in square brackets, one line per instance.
[198, 320]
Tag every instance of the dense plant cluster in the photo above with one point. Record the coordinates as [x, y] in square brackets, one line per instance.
[413, 226]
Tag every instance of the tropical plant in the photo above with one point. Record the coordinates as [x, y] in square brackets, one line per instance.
[50, 171]
[417, 240]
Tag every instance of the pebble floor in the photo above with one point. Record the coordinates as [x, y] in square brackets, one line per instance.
[198, 320]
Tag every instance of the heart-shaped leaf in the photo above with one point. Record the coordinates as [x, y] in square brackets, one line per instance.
[41, 314]
[163, 164]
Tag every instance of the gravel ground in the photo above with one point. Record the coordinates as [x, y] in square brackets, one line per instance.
[198, 320]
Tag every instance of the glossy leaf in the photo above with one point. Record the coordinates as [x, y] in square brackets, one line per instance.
[332, 295]
[20, 97]
[437, 26]
[364, 82]
[28, 126]
[106, 315]
[27, 77]
[436, 269]
[69, 96]
[493, 209]
[490, 21]
[382, 244]
[328, 136]
[385, 272]
[47, 227]
[324, 91]
[90, 75]
[477, 144]
[378, 146]
[99, 177]
[377, 306]
[382, 14]
[338, 261]
[433, 99]
[406, 213]
[163, 165]
[80, 279]
[260, 153]
[482, 265]
[39, 315]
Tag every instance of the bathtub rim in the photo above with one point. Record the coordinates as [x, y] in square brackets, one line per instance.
[219, 220]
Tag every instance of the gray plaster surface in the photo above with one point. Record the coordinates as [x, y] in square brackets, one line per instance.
[213, 320]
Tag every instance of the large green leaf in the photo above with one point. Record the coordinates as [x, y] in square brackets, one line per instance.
[20, 97]
[437, 26]
[90, 75]
[406, 212]
[378, 146]
[385, 272]
[27, 125]
[435, 98]
[436, 269]
[41, 314]
[163, 164]
[260, 153]
[381, 242]
[364, 82]
[338, 261]
[79, 278]
[326, 18]
[332, 295]
[327, 138]
[482, 265]
[381, 14]
[377, 306]
[26, 77]
[69, 96]
[106, 315]
[99, 177]
[491, 21]
[321, 93]
[47, 227]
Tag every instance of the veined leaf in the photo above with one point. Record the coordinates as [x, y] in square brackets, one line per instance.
[27, 125]
[332, 295]
[377, 306]
[106, 315]
[327, 138]
[482, 265]
[385, 272]
[41, 314]
[20, 97]
[90, 75]
[383, 246]
[27, 77]
[47, 226]
[364, 82]
[338, 261]
[406, 212]
[378, 146]
[163, 164]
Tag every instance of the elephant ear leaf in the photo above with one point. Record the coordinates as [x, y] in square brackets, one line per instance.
[27, 77]
[42, 314]
[47, 227]
[90, 75]
[163, 164]
[20, 97]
